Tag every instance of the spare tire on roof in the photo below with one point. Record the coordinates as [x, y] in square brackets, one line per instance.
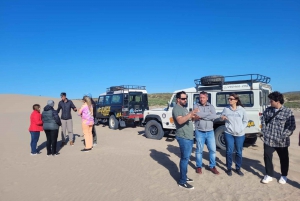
[212, 80]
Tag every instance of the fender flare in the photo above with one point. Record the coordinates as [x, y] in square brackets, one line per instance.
[152, 116]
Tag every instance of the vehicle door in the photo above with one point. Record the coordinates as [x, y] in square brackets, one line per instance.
[103, 109]
[135, 105]
[99, 107]
[116, 104]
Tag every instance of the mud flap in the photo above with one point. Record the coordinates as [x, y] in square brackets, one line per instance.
[122, 123]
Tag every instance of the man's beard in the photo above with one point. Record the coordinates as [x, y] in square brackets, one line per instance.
[183, 105]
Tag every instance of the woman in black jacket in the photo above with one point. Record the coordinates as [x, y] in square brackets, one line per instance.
[51, 123]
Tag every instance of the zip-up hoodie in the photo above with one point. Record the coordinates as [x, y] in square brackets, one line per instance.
[207, 115]
[237, 120]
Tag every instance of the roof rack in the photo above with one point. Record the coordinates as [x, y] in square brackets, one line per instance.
[224, 80]
[122, 87]
[249, 78]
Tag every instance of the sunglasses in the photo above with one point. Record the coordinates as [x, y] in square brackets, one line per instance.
[230, 99]
[183, 98]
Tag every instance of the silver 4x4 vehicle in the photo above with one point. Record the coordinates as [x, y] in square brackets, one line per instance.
[253, 90]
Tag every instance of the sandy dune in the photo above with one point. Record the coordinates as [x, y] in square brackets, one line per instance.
[124, 166]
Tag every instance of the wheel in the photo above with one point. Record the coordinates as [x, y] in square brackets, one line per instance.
[212, 80]
[219, 135]
[250, 141]
[154, 130]
[113, 123]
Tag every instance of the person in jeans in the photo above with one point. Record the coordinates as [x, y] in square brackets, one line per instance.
[184, 136]
[86, 113]
[204, 132]
[235, 123]
[66, 118]
[51, 123]
[36, 126]
[278, 123]
[94, 115]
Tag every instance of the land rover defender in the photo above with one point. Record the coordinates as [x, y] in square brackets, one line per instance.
[253, 90]
[121, 105]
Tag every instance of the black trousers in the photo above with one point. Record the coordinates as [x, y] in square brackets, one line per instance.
[51, 141]
[283, 154]
[94, 134]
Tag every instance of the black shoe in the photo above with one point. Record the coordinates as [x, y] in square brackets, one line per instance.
[189, 180]
[186, 185]
[239, 172]
[55, 154]
[86, 150]
[229, 172]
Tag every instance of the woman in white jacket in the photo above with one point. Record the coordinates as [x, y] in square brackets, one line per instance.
[235, 122]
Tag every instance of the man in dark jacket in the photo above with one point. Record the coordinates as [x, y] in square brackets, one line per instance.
[66, 118]
[94, 114]
[278, 123]
[51, 123]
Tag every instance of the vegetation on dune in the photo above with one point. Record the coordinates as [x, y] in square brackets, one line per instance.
[292, 99]
[160, 99]
[292, 96]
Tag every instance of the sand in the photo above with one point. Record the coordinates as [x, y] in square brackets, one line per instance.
[124, 166]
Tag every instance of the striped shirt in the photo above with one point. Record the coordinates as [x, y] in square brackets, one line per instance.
[276, 133]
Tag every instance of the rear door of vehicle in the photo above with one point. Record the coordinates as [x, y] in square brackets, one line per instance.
[136, 105]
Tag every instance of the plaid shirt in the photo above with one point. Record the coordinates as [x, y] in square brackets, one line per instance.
[278, 130]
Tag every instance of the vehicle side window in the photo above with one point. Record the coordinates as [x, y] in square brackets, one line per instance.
[107, 100]
[116, 99]
[246, 98]
[266, 99]
[173, 102]
[145, 98]
[100, 100]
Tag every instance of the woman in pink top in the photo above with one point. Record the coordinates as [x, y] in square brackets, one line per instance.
[86, 113]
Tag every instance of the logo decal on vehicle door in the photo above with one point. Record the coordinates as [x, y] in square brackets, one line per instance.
[250, 124]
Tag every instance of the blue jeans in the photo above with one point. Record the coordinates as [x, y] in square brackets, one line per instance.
[232, 142]
[186, 147]
[208, 138]
[35, 135]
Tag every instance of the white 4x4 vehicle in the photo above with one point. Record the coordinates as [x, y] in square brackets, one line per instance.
[253, 90]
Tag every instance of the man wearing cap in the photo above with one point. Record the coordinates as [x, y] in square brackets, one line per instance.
[66, 118]
[94, 114]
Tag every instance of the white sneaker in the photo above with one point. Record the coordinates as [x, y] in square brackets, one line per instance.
[267, 179]
[282, 180]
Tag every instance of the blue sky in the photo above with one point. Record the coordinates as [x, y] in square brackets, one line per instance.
[86, 46]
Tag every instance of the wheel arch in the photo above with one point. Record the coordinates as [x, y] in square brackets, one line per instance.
[153, 117]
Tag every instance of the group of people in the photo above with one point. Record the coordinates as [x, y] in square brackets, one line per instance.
[49, 122]
[278, 123]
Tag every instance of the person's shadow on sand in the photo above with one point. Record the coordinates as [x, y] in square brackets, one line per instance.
[164, 160]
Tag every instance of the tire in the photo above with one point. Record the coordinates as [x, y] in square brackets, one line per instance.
[113, 123]
[154, 130]
[250, 141]
[219, 136]
[212, 80]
